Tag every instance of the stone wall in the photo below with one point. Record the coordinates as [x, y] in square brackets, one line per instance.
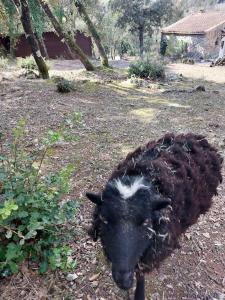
[201, 46]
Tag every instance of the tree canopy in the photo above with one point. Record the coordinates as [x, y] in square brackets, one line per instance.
[142, 16]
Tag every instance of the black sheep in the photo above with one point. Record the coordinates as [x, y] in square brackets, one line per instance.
[152, 197]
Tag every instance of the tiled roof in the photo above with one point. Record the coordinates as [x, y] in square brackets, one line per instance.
[199, 23]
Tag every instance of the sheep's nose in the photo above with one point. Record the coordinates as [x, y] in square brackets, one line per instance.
[124, 280]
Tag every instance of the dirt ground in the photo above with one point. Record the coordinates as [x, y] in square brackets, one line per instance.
[118, 117]
[199, 71]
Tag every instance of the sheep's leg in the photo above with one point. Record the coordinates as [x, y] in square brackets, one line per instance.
[127, 297]
[140, 287]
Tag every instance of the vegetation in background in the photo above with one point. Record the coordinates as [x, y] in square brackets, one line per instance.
[9, 24]
[32, 214]
[176, 48]
[142, 17]
[3, 62]
[147, 69]
[27, 63]
[93, 31]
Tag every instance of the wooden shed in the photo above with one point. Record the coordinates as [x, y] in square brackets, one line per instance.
[55, 48]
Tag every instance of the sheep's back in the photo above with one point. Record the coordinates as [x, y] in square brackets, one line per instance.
[185, 168]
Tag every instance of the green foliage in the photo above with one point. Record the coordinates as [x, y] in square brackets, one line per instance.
[27, 63]
[32, 214]
[142, 16]
[176, 47]
[38, 17]
[9, 23]
[10, 11]
[59, 12]
[3, 62]
[123, 48]
[163, 46]
[147, 69]
[65, 86]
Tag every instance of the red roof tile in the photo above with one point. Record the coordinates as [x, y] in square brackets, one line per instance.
[199, 23]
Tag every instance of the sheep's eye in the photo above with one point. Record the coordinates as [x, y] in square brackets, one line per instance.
[103, 219]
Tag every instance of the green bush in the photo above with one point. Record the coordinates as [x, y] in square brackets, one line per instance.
[3, 62]
[27, 63]
[65, 86]
[176, 48]
[32, 214]
[147, 69]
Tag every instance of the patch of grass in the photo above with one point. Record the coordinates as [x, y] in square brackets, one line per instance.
[3, 62]
[105, 70]
[91, 86]
[144, 114]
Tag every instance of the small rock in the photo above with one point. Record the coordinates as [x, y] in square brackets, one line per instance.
[155, 296]
[200, 88]
[94, 284]
[206, 234]
[71, 277]
[170, 286]
[94, 277]
[223, 282]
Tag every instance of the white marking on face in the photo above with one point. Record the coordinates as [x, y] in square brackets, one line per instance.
[163, 236]
[164, 219]
[127, 191]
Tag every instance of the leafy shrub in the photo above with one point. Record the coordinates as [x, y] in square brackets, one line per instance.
[32, 214]
[188, 61]
[176, 48]
[147, 69]
[3, 52]
[3, 62]
[65, 86]
[163, 46]
[27, 63]
[123, 48]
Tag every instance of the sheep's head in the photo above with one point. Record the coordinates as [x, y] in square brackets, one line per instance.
[125, 211]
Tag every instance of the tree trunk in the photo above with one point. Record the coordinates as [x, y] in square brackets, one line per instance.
[27, 26]
[68, 39]
[42, 47]
[83, 13]
[12, 49]
[141, 41]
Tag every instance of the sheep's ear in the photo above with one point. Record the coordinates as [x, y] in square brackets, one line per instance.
[160, 203]
[95, 198]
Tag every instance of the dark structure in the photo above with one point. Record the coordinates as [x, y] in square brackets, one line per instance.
[55, 48]
[152, 197]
